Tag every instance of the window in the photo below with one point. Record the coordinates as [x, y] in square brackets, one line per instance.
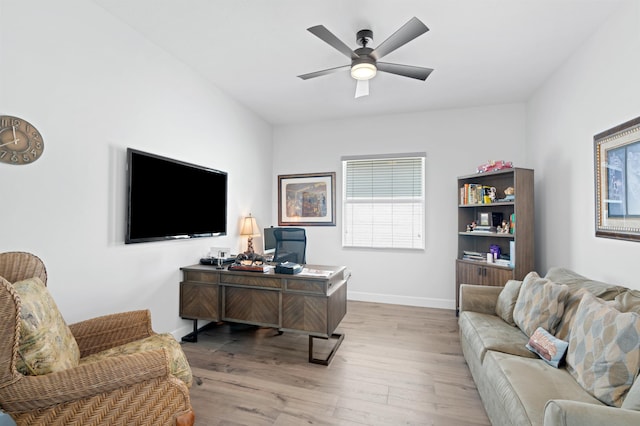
[383, 201]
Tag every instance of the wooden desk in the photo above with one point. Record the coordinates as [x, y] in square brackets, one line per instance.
[312, 305]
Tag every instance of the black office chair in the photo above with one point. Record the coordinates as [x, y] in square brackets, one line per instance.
[291, 245]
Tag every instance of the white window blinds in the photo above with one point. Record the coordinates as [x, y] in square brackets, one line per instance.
[383, 201]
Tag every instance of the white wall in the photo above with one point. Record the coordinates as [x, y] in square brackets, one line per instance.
[456, 142]
[94, 87]
[596, 89]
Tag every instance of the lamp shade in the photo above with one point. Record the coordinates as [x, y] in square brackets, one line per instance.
[249, 227]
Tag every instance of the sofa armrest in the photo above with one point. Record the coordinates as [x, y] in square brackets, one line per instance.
[573, 413]
[108, 331]
[479, 298]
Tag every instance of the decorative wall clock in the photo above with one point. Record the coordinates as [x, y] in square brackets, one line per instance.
[20, 141]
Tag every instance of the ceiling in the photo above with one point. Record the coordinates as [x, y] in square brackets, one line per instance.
[483, 52]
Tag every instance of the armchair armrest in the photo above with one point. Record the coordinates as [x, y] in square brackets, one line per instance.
[573, 413]
[92, 378]
[479, 298]
[105, 332]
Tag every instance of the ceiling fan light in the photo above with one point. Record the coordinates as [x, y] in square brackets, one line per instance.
[363, 71]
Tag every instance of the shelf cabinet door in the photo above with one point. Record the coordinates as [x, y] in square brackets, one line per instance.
[480, 274]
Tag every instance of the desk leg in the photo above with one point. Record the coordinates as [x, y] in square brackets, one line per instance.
[193, 336]
[338, 336]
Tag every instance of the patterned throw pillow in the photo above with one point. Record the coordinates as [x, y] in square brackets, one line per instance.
[540, 304]
[46, 343]
[179, 366]
[507, 301]
[604, 353]
[547, 347]
[570, 308]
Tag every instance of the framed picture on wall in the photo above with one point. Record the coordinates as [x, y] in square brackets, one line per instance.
[617, 176]
[307, 199]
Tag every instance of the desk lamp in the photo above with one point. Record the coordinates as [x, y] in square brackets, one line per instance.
[249, 229]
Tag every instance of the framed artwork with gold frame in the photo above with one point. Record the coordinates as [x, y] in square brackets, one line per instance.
[617, 181]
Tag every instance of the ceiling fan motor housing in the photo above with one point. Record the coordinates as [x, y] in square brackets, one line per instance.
[364, 37]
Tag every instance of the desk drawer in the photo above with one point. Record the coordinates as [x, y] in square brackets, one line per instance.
[251, 280]
[202, 277]
[305, 286]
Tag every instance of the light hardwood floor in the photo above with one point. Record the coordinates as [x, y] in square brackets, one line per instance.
[398, 365]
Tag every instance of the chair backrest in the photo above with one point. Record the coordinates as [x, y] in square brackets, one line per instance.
[9, 320]
[291, 245]
[18, 265]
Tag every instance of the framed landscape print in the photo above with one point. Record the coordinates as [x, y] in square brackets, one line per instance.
[307, 199]
[617, 173]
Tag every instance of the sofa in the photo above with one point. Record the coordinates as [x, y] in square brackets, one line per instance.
[512, 336]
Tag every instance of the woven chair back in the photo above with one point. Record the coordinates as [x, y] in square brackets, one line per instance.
[17, 266]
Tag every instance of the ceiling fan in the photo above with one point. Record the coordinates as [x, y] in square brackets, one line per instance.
[365, 60]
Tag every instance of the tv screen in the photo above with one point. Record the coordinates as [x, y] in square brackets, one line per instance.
[170, 199]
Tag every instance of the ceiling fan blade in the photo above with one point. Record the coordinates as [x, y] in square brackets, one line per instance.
[410, 71]
[362, 88]
[327, 36]
[323, 72]
[404, 35]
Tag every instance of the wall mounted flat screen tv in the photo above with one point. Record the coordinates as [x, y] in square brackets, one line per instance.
[170, 199]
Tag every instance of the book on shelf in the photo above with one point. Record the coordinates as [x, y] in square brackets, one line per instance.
[475, 193]
[503, 262]
[512, 254]
[474, 255]
[486, 229]
[507, 199]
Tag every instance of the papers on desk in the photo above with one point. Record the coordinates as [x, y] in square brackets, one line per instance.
[315, 272]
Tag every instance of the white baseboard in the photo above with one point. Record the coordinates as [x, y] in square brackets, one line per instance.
[423, 302]
[183, 331]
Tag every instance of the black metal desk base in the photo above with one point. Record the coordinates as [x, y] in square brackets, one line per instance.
[312, 359]
[193, 336]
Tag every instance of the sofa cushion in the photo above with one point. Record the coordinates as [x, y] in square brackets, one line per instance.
[603, 352]
[547, 347]
[46, 344]
[507, 301]
[576, 281]
[629, 301]
[540, 304]
[522, 386]
[577, 285]
[485, 332]
[632, 398]
[179, 366]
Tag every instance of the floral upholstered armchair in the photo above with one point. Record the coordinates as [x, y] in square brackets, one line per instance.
[111, 370]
